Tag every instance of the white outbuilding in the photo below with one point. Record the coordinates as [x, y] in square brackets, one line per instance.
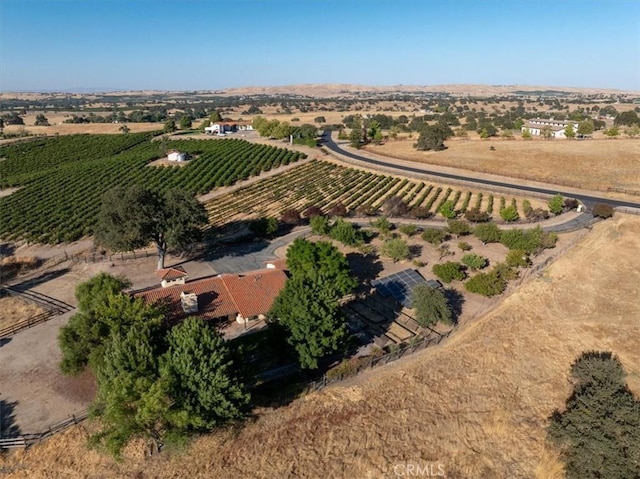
[175, 155]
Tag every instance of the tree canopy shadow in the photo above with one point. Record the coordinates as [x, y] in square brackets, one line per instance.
[456, 301]
[8, 425]
[364, 267]
[43, 278]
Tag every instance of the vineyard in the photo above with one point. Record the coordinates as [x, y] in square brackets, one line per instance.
[61, 179]
[324, 184]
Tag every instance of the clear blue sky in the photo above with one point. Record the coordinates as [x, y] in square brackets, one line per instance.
[197, 45]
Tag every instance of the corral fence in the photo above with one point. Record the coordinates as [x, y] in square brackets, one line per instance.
[26, 440]
[369, 362]
[96, 257]
[52, 307]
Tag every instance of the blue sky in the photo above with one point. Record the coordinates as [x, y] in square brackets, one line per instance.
[198, 45]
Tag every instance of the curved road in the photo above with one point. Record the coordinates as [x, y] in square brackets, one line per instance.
[588, 200]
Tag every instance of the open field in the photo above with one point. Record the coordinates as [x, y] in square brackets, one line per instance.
[589, 164]
[477, 404]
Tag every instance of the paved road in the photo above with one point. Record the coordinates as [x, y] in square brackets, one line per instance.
[588, 200]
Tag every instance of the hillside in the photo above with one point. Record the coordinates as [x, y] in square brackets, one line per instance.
[476, 405]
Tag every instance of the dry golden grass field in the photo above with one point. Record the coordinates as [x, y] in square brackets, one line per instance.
[14, 310]
[589, 164]
[476, 405]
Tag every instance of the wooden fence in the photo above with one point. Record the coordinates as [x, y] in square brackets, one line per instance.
[26, 440]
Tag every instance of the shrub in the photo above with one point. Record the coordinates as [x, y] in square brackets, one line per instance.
[509, 213]
[464, 246]
[492, 283]
[339, 210]
[320, 225]
[345, 233]
[291, 216]
[531, 241]
[487, 233]
[556, 204]
[312, 211]
[434, 236]
[474, 261]
[395, 206]
[421, 213]
[571, 203]
[408, 229]
[602, 210]
[447, 209]
[449, 271]
[382, 224]
[477, 216]
[518, 258]
[538, 214]
[397, 249]
[526, 208]
[458, 227]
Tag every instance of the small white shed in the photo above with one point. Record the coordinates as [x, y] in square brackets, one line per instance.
[175, 155]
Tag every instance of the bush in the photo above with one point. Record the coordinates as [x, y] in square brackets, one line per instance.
[339, 210]
[291, 216]
[458, 228]
[518, 258]
[434, 236]
[474, 261]
[345, 233]
[538, 214]
[366, 210]
[477, 216]
[320, 225]
[408, 229]
[312, 211]
[449, 271]
[487, 233]
[556, 204]
[492, 283]
[447, 209]
[464, 246]
[531, 241]
[421, 213]
[397, 249]
[602, 210]
[431, 306]
[382, 224]
[395, 206]
[509, 213]
[571, 203]
[264, 226]
[526, 208]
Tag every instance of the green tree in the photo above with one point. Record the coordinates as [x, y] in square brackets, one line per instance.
[432, 137]
[487, 233]
[431, 306]
[532, 241]
[309, 312]
[474, 261]
[382, 224]
[356, 138]
[518, 258]
[185, 122]
[345, 233]
[200, 378]
[395, 248]
[169, 126]
[133, 217]
[215, 117]
[526, 134]
[546, 132]
[627, 118]
[556, 204]
[586, 127]
[264, 226]
[569, 131]
[408, 229]
[599, 430]
[320, 259]
[319, 120]
[130, 400]
[90, 326]
[449, 271]
[41, 120]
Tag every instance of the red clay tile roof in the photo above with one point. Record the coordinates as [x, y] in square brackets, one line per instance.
[170, 274]
[249, 294]
[254, 293]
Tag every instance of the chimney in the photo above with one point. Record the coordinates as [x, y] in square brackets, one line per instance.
[189, 302]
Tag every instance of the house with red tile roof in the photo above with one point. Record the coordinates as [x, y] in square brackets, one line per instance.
[242, 297]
